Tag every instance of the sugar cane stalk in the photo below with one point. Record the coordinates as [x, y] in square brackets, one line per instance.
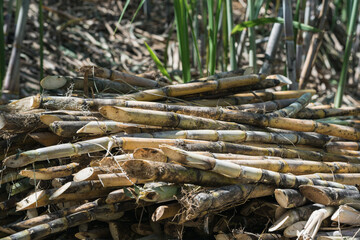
[245, 98]
[155, 154]
[165, 211]
[120, 76]
[346, 214]
[117, 196]
[198, 87]
[89, 173]
[293, 230]
[61, 224]
[52, 216]
[46, 138]
[51, 172]
[343, 178]
[294, 107]
[355, 146]
[238, 136]
[294, 215]
[220, 199]
[330, 196]
[309, 113]
[289, 198]
[85, 147]
[128, 143]
[237, 171]
[50, 118]
[66, 128]
[17, 123]
[108, 127]
[240, 117]
[119, 180]
[80, 104]
[299, 167]
[174, 173]
[264, 107]
[101, 85]
[166, 119]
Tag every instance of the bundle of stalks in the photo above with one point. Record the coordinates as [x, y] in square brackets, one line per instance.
[186, 164]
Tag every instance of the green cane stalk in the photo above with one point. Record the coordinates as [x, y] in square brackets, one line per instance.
[348, 46]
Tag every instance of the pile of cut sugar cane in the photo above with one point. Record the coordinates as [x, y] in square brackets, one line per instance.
[218, 157]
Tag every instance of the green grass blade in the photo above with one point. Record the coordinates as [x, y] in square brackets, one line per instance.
[258, 4]
[158, 63]
[167, 43]
[41, 39]
[138, 9]
[263, 21]
[225, 40]
[194, 38]
[2, 46]
[122, 14]
[348, 46]
[182, 35]
[231, 38]
[299, 4]
[213, 25]
[211, 45]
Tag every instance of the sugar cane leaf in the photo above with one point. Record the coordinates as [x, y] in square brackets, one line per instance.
[128, 193]
[157, 61]
[263, 21]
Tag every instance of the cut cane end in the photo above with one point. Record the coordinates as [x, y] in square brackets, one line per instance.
[53, 82]
[48, 119]
[172, 153]
[284, 80]
[13, 161]
[278, 225]
[60, 191]
[139, 169]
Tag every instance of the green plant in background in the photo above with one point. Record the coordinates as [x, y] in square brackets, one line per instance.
[267, 20]
[251, 34]
[213, 23]
[348, 46]
[41, 38]
[158, 63]
[194, 34]
[231, 37]
[2, 45]
[182, 36]
[217, 23]
[123, 12]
